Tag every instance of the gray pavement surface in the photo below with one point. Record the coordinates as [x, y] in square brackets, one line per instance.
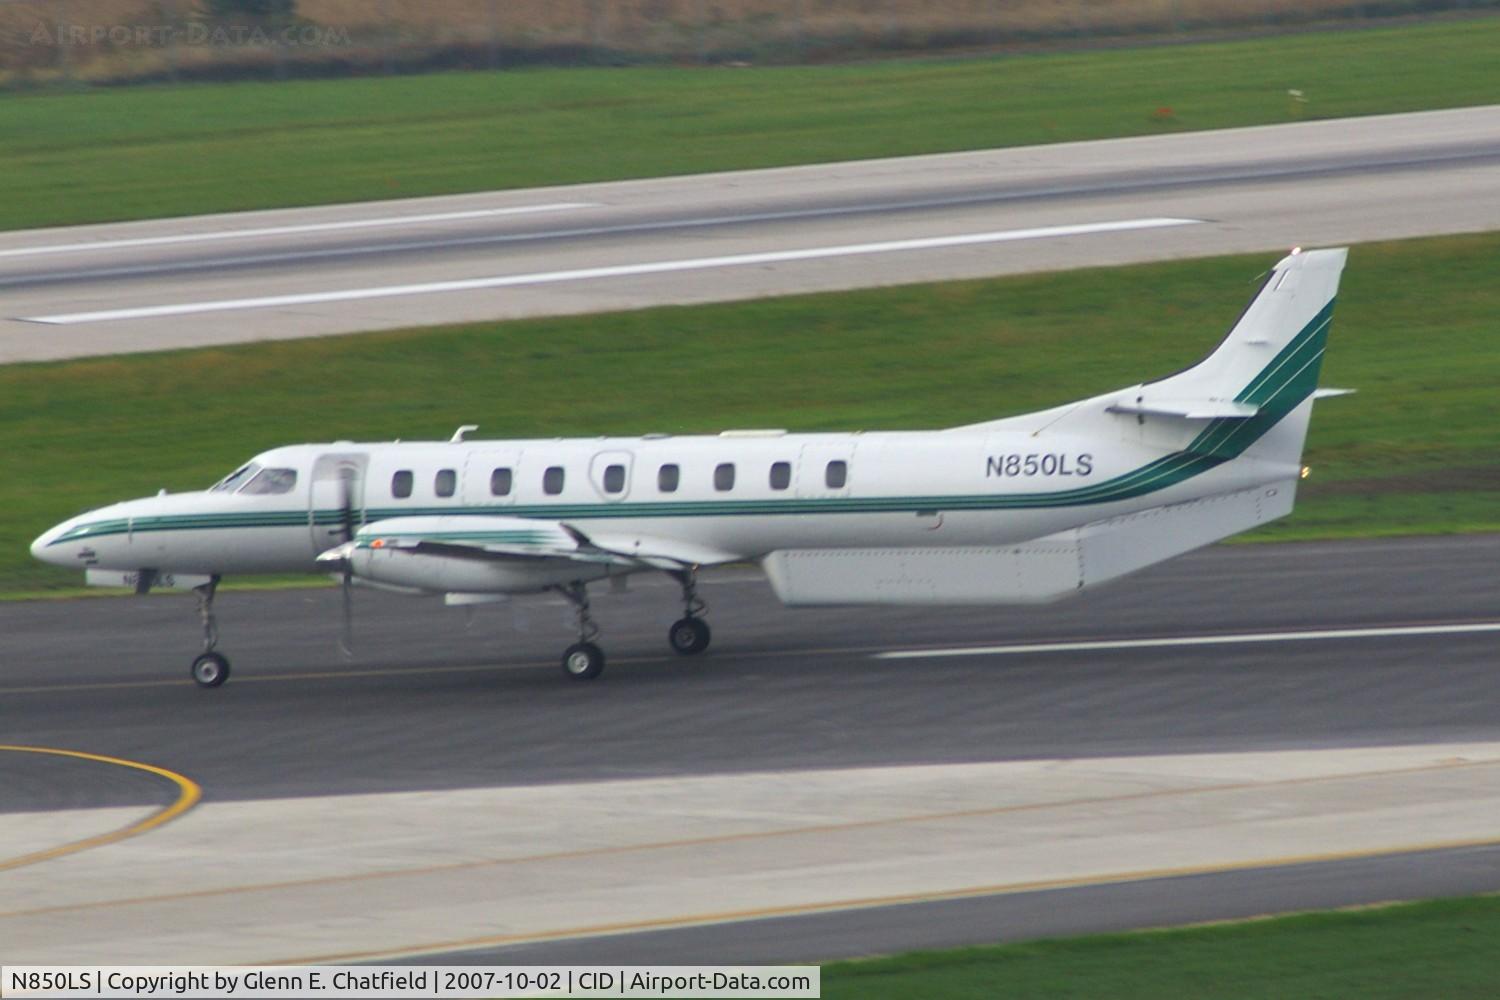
[1026, 916]
[428, 703]
[431, 704]
[1257, 189]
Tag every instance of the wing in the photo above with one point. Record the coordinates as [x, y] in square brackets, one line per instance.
[524, 546]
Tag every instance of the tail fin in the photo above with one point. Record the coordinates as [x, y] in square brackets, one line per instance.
[1253, 394]
[1262, 372]
[1279, 338]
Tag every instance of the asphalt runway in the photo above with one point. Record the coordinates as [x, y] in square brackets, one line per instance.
[429, 704]
[343, 269]
[431, 707]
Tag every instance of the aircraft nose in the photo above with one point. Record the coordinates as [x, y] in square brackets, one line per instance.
[40, 548]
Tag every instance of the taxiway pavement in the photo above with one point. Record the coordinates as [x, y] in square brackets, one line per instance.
[789, 795]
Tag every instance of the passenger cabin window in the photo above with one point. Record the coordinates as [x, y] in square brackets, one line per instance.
[836, 475]
[667, 478]
[614, 479]
[269, 482]
[724, 477]
[401, 484]
[500, 483]
[781, 475]
[445, 483]
[552, 480]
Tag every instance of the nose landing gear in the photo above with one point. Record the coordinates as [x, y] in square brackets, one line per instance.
[210, 669]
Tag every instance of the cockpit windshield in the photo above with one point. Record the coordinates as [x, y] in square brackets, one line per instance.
[239, 477]
[252, 479]
[269, 481]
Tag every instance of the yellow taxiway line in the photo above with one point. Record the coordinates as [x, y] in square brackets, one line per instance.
[188, 794]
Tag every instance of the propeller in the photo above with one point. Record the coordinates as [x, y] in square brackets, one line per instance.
[348, 525]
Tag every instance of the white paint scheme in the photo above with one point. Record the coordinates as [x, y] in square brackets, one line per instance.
[1020, 509]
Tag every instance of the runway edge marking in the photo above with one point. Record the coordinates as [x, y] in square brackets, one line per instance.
[1167, 642]
[610, 271]
[188, 795]
[287, 230]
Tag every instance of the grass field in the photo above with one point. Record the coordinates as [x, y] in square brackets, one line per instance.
[1419, 951]
[1412, 452]
[155, 151]
[361, 38]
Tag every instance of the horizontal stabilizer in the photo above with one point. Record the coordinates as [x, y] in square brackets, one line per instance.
[1330, 393]
[1188, 409]
[1035, 571]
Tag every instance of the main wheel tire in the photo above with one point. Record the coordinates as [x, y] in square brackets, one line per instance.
[210, 670]
[583, 661]
[689, 636]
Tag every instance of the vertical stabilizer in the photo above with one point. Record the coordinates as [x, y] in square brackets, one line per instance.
[1262, 372]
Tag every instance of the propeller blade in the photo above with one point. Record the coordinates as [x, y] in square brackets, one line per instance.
[349, 526]
[346, 639]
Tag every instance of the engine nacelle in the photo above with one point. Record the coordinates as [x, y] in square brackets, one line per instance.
[475, 555]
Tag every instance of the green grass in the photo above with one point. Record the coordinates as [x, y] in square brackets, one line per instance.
[1422, 951]
[1412, 452]
[157, 151]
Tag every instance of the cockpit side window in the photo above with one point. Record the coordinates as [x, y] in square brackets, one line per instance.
[269, 482]
[239, 477]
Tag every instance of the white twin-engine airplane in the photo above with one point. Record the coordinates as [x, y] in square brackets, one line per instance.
[1022, 509]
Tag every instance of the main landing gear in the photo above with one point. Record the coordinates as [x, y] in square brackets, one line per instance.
[583, 660]
[689, 635]
[210, 669]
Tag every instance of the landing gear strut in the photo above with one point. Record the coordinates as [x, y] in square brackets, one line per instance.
[210, 669]
[583, 660]
[689, 635]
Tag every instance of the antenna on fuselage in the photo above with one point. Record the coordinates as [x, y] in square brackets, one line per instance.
[463, 429]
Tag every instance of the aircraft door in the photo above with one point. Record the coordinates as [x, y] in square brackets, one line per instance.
[609, 474]
[336, 498]
[491, 477]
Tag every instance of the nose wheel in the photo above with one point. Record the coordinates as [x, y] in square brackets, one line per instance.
[583, 661]
[210, 670]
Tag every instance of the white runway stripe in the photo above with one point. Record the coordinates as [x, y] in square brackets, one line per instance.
[1196, 640]
[613, 271]
[311, 227]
